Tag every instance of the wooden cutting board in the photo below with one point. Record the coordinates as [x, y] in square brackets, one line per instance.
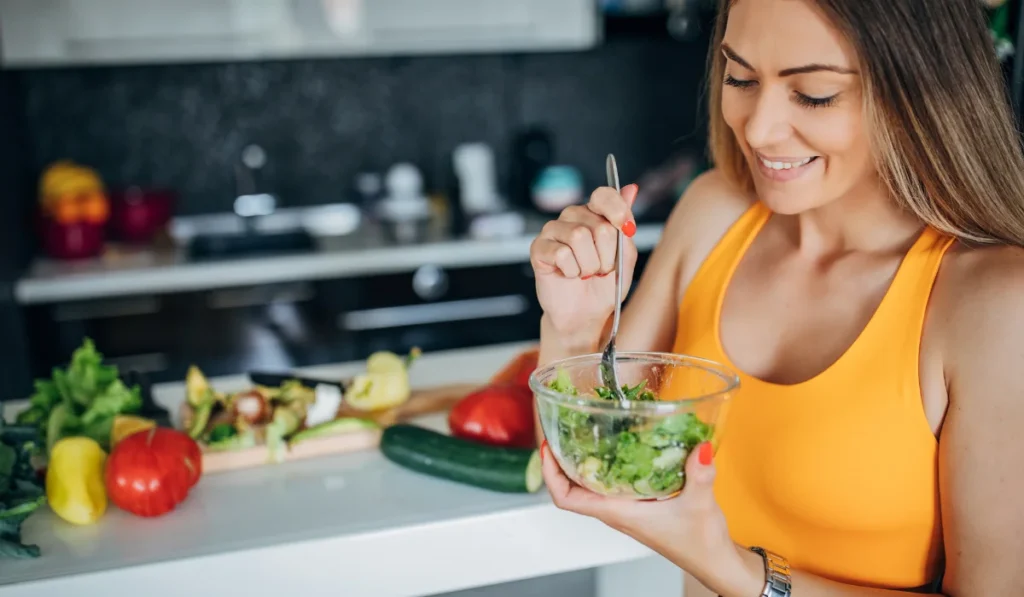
[427, 401]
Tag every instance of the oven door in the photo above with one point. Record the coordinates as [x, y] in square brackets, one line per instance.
[276, 327]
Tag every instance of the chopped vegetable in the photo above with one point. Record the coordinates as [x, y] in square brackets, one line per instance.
[325, 406]
[21, 493]
[251, 407]
[285, 422]
[335, 427]
[627, 455]
[125, 425]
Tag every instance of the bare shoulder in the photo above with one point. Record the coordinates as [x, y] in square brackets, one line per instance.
[980, 312]
[708, 207]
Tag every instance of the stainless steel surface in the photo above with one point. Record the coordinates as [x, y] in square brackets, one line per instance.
[608, 373]
[427, 313]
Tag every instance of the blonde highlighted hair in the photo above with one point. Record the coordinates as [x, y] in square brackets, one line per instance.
[942, 130]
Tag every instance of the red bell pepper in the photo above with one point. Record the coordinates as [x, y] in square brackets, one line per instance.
[500, 415]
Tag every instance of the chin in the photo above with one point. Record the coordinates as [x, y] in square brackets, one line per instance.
[785, 203]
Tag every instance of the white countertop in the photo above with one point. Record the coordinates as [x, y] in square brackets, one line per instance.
[353, 525]
[150, 271]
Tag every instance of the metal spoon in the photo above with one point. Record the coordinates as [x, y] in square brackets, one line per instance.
[608, 373]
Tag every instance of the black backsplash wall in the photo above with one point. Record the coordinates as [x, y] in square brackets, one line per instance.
[322, 121]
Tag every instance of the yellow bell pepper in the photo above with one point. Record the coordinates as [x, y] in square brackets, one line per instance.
[74, 480]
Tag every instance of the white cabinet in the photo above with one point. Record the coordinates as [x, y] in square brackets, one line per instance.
[39, 33]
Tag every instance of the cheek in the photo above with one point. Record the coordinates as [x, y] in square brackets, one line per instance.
[837, 134]
[735, 112]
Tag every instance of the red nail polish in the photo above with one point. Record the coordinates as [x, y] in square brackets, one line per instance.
[586, 277]
[629, 228]
[706, 453]
[543, 448]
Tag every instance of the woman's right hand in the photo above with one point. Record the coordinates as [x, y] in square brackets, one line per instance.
[573, 261]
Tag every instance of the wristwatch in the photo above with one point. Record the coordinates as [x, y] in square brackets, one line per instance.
[777, 581]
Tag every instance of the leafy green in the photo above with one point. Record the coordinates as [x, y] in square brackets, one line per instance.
[21, 492]
[222, 432]
[239, 441]
[632, 455]
[82, 399]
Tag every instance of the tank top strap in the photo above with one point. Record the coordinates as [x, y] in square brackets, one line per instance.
[898, 324]
[703, 296]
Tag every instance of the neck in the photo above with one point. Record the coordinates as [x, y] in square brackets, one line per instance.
[863, 220]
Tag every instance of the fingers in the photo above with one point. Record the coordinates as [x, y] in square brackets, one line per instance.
[616, 208]
[603, 233]
[582, 241]
[700, 477]
[564, 493]
[579, 238]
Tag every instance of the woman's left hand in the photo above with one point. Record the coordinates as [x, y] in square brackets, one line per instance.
[688, 530]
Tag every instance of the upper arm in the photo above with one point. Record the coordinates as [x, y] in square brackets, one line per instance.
[981, 447]
[707, 208]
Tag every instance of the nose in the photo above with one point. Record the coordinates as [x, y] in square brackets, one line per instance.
[769, 123]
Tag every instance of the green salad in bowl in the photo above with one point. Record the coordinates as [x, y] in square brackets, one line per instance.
[638, 447]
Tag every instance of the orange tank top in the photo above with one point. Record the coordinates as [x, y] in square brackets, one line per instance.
[836, 473]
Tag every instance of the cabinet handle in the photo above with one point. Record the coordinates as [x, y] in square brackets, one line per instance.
[463, 310]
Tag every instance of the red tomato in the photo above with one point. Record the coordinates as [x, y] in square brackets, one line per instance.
[151, 472]
[500, 415]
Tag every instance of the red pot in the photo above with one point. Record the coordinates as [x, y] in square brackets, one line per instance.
[138, 214]
[78, 240]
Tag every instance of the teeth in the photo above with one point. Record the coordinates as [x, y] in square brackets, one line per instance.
[785, 165]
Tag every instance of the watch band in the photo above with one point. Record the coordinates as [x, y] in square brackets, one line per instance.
[777, 581]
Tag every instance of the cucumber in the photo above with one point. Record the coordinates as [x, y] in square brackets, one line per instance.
[509, 470]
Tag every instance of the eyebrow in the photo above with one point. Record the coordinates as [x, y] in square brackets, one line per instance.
[799, 70]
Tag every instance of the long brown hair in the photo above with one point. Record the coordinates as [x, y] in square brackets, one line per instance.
[943, 134]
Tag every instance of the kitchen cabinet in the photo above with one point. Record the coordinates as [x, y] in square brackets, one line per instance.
[41, 33]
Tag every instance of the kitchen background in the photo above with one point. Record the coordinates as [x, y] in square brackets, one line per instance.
[275, 201]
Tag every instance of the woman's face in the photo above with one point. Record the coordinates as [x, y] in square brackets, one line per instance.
[792, 97]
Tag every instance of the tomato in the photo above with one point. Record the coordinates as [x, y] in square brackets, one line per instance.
[149, 473]
[500, 415]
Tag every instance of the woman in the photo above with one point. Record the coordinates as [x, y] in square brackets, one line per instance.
[855, 256]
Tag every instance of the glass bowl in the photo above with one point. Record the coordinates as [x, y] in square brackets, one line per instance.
[635, 449]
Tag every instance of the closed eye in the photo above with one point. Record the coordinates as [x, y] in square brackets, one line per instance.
[740, 83]
[816, 102]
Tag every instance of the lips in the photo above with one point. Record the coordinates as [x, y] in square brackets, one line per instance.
[784, 169]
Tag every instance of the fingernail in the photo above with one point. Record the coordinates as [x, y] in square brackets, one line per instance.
[586, 277]
[543, 448]
[603, 275]
[706, 453]
[629, 228]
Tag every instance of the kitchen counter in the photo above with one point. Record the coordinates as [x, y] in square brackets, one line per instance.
[353, 525]
[362, 252]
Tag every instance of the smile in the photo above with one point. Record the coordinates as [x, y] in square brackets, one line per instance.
[779, 165]
[784, 169]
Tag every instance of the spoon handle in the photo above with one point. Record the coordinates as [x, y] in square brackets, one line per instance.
[613, 181]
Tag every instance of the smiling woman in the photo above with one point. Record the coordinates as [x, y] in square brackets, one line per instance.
[855, 256]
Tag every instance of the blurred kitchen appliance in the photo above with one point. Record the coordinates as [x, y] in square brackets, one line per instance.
[405, 210]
